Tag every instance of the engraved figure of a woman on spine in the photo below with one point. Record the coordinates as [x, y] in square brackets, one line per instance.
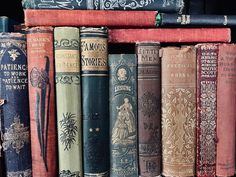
[124, 130]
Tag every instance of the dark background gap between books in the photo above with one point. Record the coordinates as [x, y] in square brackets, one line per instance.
[13, 9]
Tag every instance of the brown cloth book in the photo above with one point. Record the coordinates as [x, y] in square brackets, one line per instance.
[178, 110]
[149, 108]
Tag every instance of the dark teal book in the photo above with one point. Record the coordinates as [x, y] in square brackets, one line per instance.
[123, 115]
[6, 24]
[14, 105]
[95, 101]
[170, 6]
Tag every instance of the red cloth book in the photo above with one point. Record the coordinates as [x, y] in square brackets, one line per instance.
[170, 35]
[90, 18]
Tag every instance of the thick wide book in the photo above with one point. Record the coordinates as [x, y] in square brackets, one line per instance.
[95, 101]
[226, 113]
[42, 101]
[68, 99]
[123, 115]
[178, 80]
[175, 35]
[149, 108]
[15, 118]
[173, 6]
[95, 18]
[207, 58]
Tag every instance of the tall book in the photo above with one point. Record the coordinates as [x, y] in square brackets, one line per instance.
[178, 110]
[160, 5]
[207, 58]
[42, 101]
[149, 109]
[95, 101]
[68, 97]
[15, 119]
[226, 114]
[123, 115]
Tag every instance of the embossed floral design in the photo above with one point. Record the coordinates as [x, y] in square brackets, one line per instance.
[26, 173]
[148, 104]
[207, 127]
[13, 54]
[16, 135]
[68, 130]
[178, 125]
[125, 4]
[68, 173]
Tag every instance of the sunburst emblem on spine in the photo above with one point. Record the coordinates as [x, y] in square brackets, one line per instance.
[68, 130]
[16, 136]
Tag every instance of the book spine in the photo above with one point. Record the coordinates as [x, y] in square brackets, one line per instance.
[15, 120]
[90, 18]
[95, 101]
[226, 86]
[207, 57]
[42, 101]
[149, 109]
[4, 24]
[160, 5]
[68, 99]
[178, 110]
[177, 35]
[123, 115]
[196, 20]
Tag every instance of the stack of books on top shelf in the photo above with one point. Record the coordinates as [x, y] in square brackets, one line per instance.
[70, 108]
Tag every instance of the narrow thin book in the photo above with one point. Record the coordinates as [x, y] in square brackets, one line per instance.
[175, 20]
[207, 58]
[174, 6]
[14, 105]
[123, 115]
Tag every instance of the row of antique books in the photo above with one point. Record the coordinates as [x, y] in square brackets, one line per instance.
[70, 109]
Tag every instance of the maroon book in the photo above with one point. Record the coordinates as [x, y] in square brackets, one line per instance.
[207, 57]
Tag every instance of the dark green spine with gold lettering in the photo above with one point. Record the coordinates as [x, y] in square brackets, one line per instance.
[95, 101]
[123, 115]
[67, 66]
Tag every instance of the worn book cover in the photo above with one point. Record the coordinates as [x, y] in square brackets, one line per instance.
[178, 110]
[68, 99]
[207, 58]
[123, 115]
[95, 101]
[149, 108]
[42, 101]
[226, 114]
[15, 119]
[160, 5]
